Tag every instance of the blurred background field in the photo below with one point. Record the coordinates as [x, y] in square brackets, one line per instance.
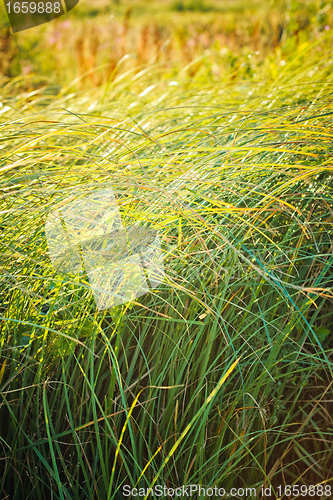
[250, 39]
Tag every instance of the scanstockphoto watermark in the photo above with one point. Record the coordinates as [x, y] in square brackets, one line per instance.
[197, 491]
[188, 491]
[25, 14]
[87, 234]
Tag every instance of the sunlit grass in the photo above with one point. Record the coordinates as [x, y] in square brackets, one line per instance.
[221, 375]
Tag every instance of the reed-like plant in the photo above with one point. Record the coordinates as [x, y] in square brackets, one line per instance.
[222, 375]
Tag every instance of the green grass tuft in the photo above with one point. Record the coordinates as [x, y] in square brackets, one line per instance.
[222, 375]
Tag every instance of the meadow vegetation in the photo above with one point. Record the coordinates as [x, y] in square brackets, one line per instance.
[222, 376]
[89, 45]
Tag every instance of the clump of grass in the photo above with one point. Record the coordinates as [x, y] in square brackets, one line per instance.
[194, 5]
[237, 179]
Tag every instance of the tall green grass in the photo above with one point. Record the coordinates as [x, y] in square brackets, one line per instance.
[222, 375]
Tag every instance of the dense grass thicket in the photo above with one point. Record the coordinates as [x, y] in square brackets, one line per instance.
[222, 376]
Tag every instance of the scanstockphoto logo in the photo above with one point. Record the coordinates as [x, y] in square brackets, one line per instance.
[23, 15]
[122, 263]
